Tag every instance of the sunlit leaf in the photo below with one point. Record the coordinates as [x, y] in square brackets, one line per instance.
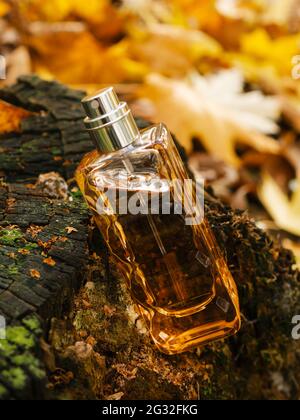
[57, 10]
[260, 54]
[11, 118]
[4, 7]
[216, 110]
[80, 58]
[284, 210]
[180, 49]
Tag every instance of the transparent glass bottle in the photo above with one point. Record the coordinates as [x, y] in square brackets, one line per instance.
[155, 230]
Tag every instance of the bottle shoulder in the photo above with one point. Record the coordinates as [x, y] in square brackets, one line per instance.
[146, 148]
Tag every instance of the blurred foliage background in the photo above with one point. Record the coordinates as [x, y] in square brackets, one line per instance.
[224, 75]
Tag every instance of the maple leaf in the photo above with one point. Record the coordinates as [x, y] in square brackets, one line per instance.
[216, 110]
[35, 274]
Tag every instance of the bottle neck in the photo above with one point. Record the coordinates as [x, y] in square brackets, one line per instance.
[109, 122]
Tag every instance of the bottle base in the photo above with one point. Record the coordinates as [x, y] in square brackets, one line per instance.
[191, 339]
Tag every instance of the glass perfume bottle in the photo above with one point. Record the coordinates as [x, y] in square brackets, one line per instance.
[155, 228]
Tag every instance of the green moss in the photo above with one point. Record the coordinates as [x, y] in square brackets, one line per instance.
[83, 318]
[33, 324]
[7, 349]
[13, 269]
[29, 363]
[79, 202]
[15, 377]
[21, 337]
[30, 246]
[10, 236]
[56, 151]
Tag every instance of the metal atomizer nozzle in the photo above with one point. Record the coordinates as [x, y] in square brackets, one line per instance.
[109, 121]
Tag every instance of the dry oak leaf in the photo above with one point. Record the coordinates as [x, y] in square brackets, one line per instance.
[216, 110]
[284, 210]
[35, 274]
[70, 229]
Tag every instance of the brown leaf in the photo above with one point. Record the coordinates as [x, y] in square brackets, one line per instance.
[70, 229]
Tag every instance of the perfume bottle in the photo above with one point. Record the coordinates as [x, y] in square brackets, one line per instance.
[155, 228]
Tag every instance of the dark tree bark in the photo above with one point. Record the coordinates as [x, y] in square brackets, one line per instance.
[56, 284]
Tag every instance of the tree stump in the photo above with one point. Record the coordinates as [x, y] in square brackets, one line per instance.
[72, 331]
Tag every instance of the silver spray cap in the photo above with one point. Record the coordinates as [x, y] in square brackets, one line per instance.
[109, 121]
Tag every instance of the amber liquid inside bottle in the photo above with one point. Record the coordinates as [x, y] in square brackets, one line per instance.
[175, 271]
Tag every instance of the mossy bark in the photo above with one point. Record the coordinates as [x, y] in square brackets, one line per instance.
[61, 281]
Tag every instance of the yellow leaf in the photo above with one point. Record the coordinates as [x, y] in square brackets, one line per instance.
[204, 12]
[57, 10]
[78, 58]
[4, 7]
[216, 110]
[179, 48]
[284, 211]
[261, 52]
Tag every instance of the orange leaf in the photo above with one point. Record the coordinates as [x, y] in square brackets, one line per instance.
[11, 117]
[49, 261]
[35, 274]
[24, 251]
